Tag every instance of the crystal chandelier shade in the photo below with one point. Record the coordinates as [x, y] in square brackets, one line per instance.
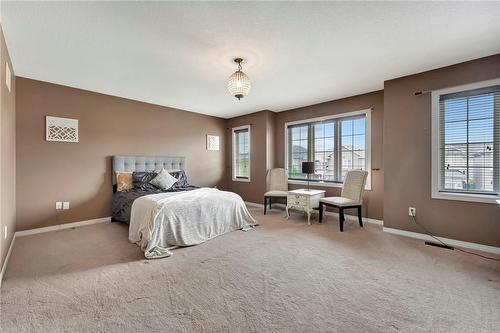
[239, 83]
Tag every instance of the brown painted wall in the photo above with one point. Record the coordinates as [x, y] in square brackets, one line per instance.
[81, 173]
[407, 158]
[270, 139]
[373, 200]
[8, 153]
[261, 127]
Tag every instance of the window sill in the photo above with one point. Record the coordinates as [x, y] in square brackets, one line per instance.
[241, 180]
[466, 197]
[322, 184]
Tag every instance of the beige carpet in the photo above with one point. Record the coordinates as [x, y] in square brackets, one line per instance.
[283, 276]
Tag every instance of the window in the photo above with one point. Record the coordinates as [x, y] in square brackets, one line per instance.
[336, 144]
[466, 143]
[241, 153]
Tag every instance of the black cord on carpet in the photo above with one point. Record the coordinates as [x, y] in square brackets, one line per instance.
[440, 241]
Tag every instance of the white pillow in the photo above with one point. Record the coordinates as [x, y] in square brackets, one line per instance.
[164, 180]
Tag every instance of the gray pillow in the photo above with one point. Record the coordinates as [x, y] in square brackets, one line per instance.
[182, 181]
[164, 180]
[141, 180]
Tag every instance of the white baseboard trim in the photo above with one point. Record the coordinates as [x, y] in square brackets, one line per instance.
[336, 215]
[62, 226]
[452, 242]
[7, 257]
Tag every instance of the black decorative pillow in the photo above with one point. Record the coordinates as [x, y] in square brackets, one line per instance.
[141, 181]
[182, 181]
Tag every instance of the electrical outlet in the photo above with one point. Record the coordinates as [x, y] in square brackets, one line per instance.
[412, 211]
[66, 205]
[5, 232]
[59, 205]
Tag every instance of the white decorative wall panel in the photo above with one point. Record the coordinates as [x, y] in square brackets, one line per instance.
[61, 129]
[212, 142]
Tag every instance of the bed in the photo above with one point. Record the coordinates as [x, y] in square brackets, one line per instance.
[185, 215]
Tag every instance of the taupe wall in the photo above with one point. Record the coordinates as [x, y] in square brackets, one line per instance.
[270, 139]
[261, 129]
[7, 154]
[373, 200]
[81, 173]
[407, 158]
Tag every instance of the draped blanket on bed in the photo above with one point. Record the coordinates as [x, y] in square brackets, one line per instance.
[162, 221]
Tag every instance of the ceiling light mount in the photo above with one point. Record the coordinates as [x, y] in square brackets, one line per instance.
[238, 61]
[239, 83]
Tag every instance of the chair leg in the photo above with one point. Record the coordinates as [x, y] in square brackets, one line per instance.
[320, 212]
[359, 217]
[265, 205]
[341, 219]
[270, 207]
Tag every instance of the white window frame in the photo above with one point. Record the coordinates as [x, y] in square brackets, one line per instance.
[233, 156]
[436, 175]
[368, 149]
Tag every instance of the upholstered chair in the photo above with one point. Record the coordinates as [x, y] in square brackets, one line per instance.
[277, 186]
[351, 196]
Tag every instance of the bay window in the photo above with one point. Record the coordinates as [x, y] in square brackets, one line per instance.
[336, 144]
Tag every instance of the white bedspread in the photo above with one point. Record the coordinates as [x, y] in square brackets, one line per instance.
[159, 222]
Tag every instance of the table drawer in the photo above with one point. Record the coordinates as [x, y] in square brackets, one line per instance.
[296, 200]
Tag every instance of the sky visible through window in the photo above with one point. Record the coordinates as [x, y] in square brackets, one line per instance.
[480, 118]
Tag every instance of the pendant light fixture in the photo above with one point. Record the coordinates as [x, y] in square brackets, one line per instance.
[239, 84]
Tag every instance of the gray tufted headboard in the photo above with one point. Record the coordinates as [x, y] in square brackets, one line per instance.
[147, 163]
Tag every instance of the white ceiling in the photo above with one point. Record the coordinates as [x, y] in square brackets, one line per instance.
[298, 53]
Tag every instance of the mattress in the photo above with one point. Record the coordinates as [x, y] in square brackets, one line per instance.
[121, 204]
[160, 222]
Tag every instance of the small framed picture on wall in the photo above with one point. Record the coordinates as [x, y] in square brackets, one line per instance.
[212, 142]
[61, 129]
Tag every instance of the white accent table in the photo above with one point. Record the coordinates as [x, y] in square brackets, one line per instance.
[304, 199]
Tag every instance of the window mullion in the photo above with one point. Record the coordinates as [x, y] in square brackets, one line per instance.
[236, 154]
[467, 146]
[310, 146]
[442, 146]
[290, 150]
[352, 145]
[338, 151]
[496, 142]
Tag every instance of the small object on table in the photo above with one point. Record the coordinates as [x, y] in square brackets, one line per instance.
[308, 169]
